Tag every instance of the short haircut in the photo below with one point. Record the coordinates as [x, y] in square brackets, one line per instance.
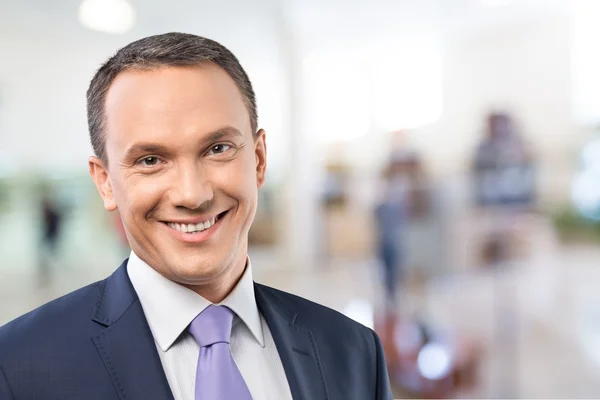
[167, 50]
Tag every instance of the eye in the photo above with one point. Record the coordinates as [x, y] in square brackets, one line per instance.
[219, 148]
[149, 161]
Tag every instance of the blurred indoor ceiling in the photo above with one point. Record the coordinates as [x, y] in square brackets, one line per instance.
[309, 20]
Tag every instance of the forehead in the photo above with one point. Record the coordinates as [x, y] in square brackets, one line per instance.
[172, 103]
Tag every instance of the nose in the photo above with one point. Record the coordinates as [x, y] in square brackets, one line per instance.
[191, 188]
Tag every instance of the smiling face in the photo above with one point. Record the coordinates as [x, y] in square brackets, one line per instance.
[183, 170]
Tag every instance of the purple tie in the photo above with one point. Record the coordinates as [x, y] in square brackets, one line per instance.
[217, 376]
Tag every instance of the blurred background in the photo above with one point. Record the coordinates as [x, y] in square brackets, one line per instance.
[434, 172]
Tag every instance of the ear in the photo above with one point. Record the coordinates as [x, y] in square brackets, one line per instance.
[260, 150]
[99, 174]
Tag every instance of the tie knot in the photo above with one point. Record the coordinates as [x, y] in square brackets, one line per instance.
[213, 325]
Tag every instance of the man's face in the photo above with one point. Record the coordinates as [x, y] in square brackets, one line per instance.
[183, 170]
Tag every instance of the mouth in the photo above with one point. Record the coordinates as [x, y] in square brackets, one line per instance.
[198, 227]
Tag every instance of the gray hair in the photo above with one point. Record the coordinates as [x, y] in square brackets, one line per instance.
[153, 52]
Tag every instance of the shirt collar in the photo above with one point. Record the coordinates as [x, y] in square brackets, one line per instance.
[170, 307]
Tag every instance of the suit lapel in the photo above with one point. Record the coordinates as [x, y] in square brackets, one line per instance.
[295, 344]
[126, 345]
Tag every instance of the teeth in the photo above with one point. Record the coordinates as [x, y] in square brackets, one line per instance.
[191, 228]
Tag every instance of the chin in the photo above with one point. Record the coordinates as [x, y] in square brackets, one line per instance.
[199, 272]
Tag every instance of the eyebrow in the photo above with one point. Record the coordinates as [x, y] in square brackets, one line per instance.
[144, 148]
[222, 133]
[148, 147]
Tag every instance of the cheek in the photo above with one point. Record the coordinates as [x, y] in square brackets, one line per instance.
[238, 183]
[136, 197]
[241, 183]
[237, 176]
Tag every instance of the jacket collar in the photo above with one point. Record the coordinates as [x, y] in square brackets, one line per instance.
[295, 344]
[126, 346]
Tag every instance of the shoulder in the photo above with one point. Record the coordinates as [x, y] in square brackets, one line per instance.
[50, 322]
[321, 320]
[348, 351]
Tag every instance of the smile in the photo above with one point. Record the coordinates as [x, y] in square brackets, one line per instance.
[197, 227]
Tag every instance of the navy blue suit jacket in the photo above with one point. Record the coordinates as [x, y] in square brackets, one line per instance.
[95, 344]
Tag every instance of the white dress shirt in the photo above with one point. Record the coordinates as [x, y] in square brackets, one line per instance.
[170, 308]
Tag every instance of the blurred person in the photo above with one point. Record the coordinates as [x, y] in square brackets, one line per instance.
[178, 153]
[504, 183]
[52, 221]
[390, 219]
[403, 202]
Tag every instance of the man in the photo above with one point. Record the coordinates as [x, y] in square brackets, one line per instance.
[173, 124]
